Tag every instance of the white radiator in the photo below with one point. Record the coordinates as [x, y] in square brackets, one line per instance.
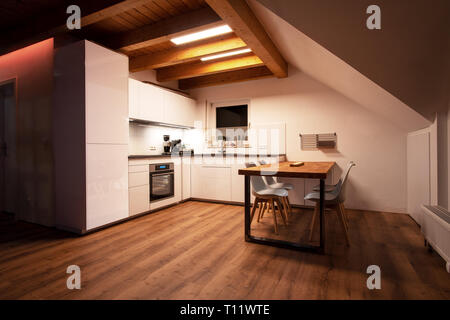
[436, 229]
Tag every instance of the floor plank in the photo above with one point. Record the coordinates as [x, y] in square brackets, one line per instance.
[196, 250]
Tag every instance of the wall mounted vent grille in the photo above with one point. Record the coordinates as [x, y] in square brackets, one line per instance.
[316, 141]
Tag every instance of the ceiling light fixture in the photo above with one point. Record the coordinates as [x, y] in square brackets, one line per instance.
[202, 34]
[226, 54]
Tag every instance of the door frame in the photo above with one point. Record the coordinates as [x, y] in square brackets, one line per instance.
[14, 81]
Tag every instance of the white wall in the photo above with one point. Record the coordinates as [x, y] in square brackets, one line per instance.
[442, 159]
[448, 157]
[421, 171]
[309, 56]
[378, 147]
[150, 76]
[32, 67]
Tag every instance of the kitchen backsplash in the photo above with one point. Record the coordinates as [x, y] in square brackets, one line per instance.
[148, 140]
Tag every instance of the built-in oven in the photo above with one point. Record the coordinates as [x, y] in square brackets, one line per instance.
[162, 181]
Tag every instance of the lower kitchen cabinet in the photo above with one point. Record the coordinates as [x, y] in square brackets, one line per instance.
[211, 182]
[139, 189]
[186, 178]
[139, 199]
[222, 182]
[237, 182]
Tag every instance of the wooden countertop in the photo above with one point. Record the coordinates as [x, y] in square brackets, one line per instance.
[310, 170]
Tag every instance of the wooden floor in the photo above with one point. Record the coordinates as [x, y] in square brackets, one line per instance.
[196, 250]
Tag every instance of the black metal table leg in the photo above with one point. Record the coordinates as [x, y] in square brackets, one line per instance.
[321, 215]
[247, 207]
[276, 242]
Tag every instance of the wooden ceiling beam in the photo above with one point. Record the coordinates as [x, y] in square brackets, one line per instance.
[184, 54]
[112, 11]
[197, 69]
[238, 15]
[164, 30]
[54, 23]
[226, 77]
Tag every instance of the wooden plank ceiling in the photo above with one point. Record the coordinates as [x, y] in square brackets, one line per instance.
[142, 29]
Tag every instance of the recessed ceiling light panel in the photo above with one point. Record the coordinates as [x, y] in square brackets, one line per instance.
[202, 34]
[226, 54]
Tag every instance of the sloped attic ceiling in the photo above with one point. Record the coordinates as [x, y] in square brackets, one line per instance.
[409, 57]
[312, 58]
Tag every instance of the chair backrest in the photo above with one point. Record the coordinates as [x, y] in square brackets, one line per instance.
[257, 182]
[343, 181]
[269, 180]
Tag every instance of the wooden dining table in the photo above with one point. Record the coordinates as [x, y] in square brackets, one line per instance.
[309, 170]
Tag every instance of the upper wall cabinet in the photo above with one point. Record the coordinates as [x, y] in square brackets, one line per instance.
[178, 109]
[133, 98]
[152, 103]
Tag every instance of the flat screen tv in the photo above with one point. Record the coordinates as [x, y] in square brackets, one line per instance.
[233, 116]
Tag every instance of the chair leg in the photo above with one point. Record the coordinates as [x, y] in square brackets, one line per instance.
[266, 209]
[262, 208]
[274, 216]
[344, 214]
[281, 209]
[342, 220]
[289, 204]
[252, 214]
[314, 221]
[285, 207]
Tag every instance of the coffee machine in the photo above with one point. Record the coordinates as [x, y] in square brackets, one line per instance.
[166, 144]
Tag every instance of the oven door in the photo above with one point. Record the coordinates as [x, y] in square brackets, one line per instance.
[161, 185]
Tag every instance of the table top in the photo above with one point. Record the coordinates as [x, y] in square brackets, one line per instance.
[310, 170]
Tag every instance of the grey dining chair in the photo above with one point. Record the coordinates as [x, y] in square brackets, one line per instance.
[267, 197]
[272, 183]
[334, 199]
[330, 187]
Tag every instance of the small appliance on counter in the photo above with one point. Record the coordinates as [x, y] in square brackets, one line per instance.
[166, 144]
[175, 146]
[171, 147]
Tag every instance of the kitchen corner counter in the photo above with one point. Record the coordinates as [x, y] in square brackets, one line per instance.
[206, 155]
[147, 156]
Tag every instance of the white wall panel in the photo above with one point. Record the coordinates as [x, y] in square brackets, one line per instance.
[418, 173]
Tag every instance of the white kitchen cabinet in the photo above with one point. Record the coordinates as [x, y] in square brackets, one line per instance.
[179, 109]
[139, 199]
[212, 182]
[136, 179]
[237, 182]
[145, 101]
[196, 184]
[133, 98]
[106, 101]
[151, 102]
[106, 184]
[186, 178]
[91, 147]
[139, 189]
